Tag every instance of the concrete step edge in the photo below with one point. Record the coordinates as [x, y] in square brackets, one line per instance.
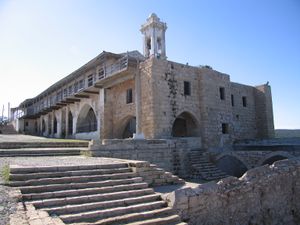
[90, 198]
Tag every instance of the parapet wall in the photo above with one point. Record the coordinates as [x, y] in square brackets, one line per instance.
[263, 195]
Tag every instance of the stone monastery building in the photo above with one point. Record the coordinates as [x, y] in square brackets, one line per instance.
[116, 96]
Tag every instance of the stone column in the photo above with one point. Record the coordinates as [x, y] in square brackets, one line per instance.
[101, 113]
[138, 109]
[67, 121]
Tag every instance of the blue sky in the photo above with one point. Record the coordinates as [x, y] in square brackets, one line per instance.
[254, 41]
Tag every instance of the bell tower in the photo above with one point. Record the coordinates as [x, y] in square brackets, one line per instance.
[154, 37]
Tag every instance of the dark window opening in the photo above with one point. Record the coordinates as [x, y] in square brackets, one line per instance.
[232, 100]
[129, 96]
[225, 128]
[187, 88]
[244, 99]
[100, 73]
[222, 93]
[90, 80]
[149, 44]
[26, 124]
[237, 116]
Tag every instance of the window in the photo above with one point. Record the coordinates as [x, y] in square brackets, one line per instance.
[90, 80]
[65, 92]
[222, 93]
[26, 124]
[75, 86]
[187, 88]
[100, 73]
[81, 84]
[244, 99]
[70, 90]
[129, 96]
[232, 100]
[225, 128]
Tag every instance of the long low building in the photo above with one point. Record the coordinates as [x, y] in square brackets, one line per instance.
[147, 96]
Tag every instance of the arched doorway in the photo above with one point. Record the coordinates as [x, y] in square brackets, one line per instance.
[70, 123]
[43, 126]
[87, 120]
[55, 125]
[231, 165]
[273, 159]
[130, 128]
[185, 125]
[49, 125]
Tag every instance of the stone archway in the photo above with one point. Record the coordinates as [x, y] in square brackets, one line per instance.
[87, 120]
[231, 165]
[273, 157]
[43, 126]
[54, 125]
[49, 125]
[70, 123]
[130, 128]
[185, 125]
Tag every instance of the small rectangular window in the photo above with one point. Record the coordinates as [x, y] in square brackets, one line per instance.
[232, 100]
[129, 96]
[90, 80]
[100, 73]
[187, 88]
[222, 93]
[244, 99]
[225, 128]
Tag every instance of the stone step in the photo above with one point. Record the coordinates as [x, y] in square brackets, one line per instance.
[131, 217]
[22, 170]
[73, 153]
[90, 198]
[172, 219]
[71, 209]
[42, 144]
[75, 179]
[59, 187]
[106, 213]
[85, 191]
[70, 173]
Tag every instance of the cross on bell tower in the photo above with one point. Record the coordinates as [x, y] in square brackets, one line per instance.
[154, 37]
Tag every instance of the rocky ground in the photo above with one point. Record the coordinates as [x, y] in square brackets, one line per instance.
[7, 203]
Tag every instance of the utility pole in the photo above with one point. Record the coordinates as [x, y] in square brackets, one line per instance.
[8, 111]
[2, 113]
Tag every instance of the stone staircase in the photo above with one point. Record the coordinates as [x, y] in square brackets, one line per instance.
[202, 168]
[92, 194]
[7, 129]
[27, 149]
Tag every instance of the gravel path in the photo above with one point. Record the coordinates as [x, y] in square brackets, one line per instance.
[8, 204]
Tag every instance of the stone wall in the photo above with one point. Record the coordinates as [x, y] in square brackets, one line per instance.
[264, 111]
[169, 154]
[264, 195]
[243, 117]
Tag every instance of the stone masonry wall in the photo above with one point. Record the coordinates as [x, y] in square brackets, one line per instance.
[263, 195]
[264, 111]
[243, 117]
[171, 155]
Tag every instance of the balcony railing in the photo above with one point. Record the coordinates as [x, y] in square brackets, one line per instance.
[82, 83]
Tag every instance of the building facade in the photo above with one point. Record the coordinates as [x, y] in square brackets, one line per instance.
[147, 96]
